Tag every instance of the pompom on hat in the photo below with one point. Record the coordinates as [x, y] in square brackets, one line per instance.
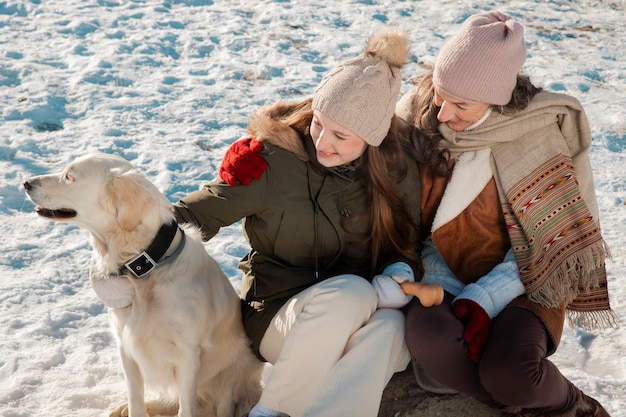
[480, 63]
[361, 93]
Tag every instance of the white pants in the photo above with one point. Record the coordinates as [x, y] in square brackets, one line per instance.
[332, 352]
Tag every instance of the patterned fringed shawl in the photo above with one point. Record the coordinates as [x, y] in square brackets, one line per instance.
[541, 166]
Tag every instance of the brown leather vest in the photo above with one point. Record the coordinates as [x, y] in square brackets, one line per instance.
[477, 240]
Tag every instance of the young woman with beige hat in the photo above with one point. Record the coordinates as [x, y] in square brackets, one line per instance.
[335, 210]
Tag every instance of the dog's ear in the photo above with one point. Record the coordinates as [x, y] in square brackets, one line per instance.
[130, 196]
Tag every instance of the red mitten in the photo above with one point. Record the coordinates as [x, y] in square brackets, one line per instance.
[476, 322]
[242, 162]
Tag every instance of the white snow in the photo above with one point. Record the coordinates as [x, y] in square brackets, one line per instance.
[169, 84]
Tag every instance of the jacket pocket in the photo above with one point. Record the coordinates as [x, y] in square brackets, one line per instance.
[295, 241]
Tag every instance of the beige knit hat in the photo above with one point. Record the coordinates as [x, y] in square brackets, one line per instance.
[361, 93]
[481, 62]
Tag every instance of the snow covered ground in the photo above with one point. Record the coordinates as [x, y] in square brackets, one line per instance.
[169, 84]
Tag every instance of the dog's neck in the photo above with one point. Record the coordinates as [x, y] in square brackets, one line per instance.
[153, 254]
[163, 244]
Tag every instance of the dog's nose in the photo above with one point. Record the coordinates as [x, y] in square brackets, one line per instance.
[27, 185]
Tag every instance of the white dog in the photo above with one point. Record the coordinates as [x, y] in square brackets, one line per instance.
[183, 332]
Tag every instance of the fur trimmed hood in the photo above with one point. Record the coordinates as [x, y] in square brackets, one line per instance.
[274, 124]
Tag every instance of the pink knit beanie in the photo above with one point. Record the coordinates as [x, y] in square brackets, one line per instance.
[481, 62]
[361, 93]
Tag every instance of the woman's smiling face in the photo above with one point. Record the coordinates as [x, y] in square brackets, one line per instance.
[335, 144]
[457, 114]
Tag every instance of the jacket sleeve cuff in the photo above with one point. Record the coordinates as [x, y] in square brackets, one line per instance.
[400, 272]
[478, 294]
[498, 288]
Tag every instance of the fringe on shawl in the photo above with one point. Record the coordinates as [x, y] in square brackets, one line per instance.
[592, 320]
[557, 243]
[575, 281]
[576, 274]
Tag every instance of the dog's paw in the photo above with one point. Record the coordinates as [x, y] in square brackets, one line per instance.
[153, 408]
[121, 411]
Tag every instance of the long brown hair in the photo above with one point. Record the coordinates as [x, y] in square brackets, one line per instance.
[393, 231]
[427, 137]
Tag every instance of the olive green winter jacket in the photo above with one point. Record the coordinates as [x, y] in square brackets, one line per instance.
[295, 219]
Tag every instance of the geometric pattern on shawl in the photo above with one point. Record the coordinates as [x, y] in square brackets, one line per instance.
[557, 243]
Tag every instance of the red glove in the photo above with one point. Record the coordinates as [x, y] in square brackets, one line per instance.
[242, 162]
[476, 322]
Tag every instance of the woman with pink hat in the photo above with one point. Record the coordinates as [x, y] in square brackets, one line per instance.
[510, 223]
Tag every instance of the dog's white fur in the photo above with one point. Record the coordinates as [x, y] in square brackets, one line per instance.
[183, 333]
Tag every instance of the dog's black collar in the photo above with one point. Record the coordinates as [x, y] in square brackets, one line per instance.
[148, 259]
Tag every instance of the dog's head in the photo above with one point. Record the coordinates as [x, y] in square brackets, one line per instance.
[104, 194]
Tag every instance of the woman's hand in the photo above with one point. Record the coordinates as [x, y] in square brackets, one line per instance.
[428, 294]
[476, 322]
[242, 162]
[389, 293]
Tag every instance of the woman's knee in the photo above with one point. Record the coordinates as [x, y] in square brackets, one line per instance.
[432, 322]
[347, 293]
[511, 372]
[429, 330]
